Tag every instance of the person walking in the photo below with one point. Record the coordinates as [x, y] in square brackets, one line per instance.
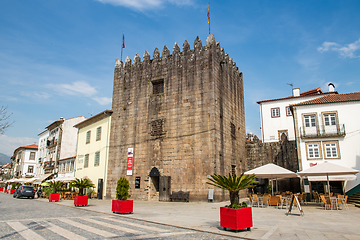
[39, 192]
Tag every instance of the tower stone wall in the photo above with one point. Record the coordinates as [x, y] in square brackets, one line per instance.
[195, 127]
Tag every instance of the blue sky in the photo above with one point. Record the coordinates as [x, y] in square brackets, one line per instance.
[57, 57]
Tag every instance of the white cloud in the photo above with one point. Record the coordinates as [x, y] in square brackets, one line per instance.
[102, 100]
[76, 88]
[145, 4]
[37, 95]
[344, 51]
[9, 144]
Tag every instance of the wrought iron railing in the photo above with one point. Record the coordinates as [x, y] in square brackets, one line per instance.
[323, 131]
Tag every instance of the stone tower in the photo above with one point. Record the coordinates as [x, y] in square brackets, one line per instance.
[182, 116]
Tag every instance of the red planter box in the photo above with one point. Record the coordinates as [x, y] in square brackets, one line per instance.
[236, 218]
[54, 197]
[122, 206]
[12, 191]
[1, 189]
[81, 200]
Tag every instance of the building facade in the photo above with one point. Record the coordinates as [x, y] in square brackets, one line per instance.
[24, 161]
[93, 149]
[177, 119]
[61, 148]
[42, 152]
[327, 129]
[276, 117]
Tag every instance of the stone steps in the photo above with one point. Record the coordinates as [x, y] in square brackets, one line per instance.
[354, 199]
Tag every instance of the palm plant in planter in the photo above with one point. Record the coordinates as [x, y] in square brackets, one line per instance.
[121, 204]
[55, 185]
[81, 184]
[234, 216]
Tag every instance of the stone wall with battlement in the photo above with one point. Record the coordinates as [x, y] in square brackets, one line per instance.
[183, 113]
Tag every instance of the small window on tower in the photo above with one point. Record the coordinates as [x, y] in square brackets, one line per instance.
[158, 86]
[233, 130]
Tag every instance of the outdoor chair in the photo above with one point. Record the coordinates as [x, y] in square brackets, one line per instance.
[265, 201]
[316, 197]
[344, 203]
[280, 201]
[255, 200]
[340, 200]
[303, 198]
[330, 203]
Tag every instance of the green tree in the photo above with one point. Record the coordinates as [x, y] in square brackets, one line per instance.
[233, 184]
[122, 189]
[55, 185]
[82, 184]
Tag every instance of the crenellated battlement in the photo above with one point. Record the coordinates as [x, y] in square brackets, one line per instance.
[177, 56]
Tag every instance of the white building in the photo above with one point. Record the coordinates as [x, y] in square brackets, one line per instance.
[61, 146]
[328, 129]
[24, 161]
[276, 117]
[42, 153]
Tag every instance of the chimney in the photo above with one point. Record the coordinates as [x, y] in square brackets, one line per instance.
[296, 92]
[331, 87]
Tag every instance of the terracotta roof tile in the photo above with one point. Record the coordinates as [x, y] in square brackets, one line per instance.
[31, 146]
[315, 91]
[332, 98]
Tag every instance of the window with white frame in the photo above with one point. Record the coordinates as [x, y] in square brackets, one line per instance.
[313, 150]
[288, 112]
[275, 112]
[97, 159]
[30, 169]
[310, 120]
[98, 134]
[330, 119]
[331, 149]
[86, 161]
[32, 156]
[88, 134]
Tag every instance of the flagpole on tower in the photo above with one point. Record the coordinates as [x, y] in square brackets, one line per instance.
[208, 17]
[123, 45]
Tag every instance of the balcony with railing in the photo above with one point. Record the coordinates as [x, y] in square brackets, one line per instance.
[322, 131]
[51, 143]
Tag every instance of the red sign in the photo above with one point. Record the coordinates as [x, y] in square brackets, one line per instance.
[313, 164]
[130, 161]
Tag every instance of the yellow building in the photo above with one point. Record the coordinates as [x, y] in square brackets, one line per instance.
[93, 150]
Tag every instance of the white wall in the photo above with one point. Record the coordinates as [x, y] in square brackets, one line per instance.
[69, 137]
[27, 162]
[271, 126]
[42, 152]
[349, 146]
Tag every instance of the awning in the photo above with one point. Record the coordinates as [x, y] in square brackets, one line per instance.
[30, 180]
[41, 178]
[332, 178]
[63, 179]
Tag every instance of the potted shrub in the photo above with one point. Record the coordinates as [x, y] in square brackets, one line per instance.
[14, 187]
[234, 216]
[55, 185]
[121, 204]
[81, 184]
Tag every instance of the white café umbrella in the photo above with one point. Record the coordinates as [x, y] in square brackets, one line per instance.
[271, 171]
[327, 169]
